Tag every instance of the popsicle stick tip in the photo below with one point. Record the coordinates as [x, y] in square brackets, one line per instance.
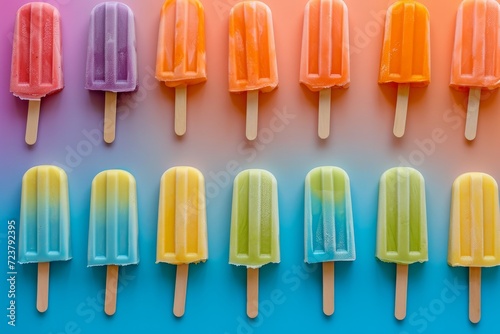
[32, 122]
[42, 298]
[110, 117]
[324, 110]
[401, 110]
[180, 289]
[401, 291]
[328, 288]
[252, 292]
[474, 294]
[111, 289]
[472, 113]
[180, 110]
[252, 114]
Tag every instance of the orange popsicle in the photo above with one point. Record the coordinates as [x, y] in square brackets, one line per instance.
[252, 56]
[181, 56]
[406, 57]
[475, 56]
[325, 54]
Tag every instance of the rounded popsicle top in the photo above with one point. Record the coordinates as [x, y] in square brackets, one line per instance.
[474, 222]
[252, 51]
[402, 217]
[254, 239]
[36, 69]
[325, 60]
[111, 52]
[328, 218]
[44, 233]
[181, 53]
[475, 60]
[182, 222]
[406, 55]
[113, 223]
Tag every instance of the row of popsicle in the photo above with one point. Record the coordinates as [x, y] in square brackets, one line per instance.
[181, 55]
[254, 236]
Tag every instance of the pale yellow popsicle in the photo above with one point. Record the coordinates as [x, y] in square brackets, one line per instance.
[182, 225]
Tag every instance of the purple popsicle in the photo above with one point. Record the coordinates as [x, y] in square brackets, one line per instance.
[111, 57]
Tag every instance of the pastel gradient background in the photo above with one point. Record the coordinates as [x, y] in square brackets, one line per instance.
[290, 292]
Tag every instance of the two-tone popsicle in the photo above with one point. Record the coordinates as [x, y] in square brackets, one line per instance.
[113, 228]
[328, 225]
[182, 226]
[44, 233]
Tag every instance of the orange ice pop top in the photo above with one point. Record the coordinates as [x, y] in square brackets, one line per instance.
[252, 53]
[406, 51]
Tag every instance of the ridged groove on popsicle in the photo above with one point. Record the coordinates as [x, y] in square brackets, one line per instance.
[182, 225]
[402, 219]
[113, 228]
[329, 232]
[252, 52]
[111, 54]
[254, 220]
[37, 72]
[476, 52]
[325, 59]
[474, 222]
[181, 55]
[44, 221]
[406, 50]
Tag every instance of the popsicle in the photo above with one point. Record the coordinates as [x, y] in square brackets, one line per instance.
[44, 231]
[475, 64]
[254, 239]
[252, 56]
[474, 231]
[111, 57]
[402, 226]
[325, 62]
[406, 59]
[113, 228]
[328, 225]
[181, 57]
[36, 59]
[182, 226]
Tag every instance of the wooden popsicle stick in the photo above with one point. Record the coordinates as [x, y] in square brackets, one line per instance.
[42, 296]
[252, 114]
[180, 109]
[252, 292]
[32, 122]
[325, 97]
[401, 110]
[180, 289]
[111, 288]
[328, 288]
[110, 117]
[474, 294]
[472, 113]
[401, 291]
